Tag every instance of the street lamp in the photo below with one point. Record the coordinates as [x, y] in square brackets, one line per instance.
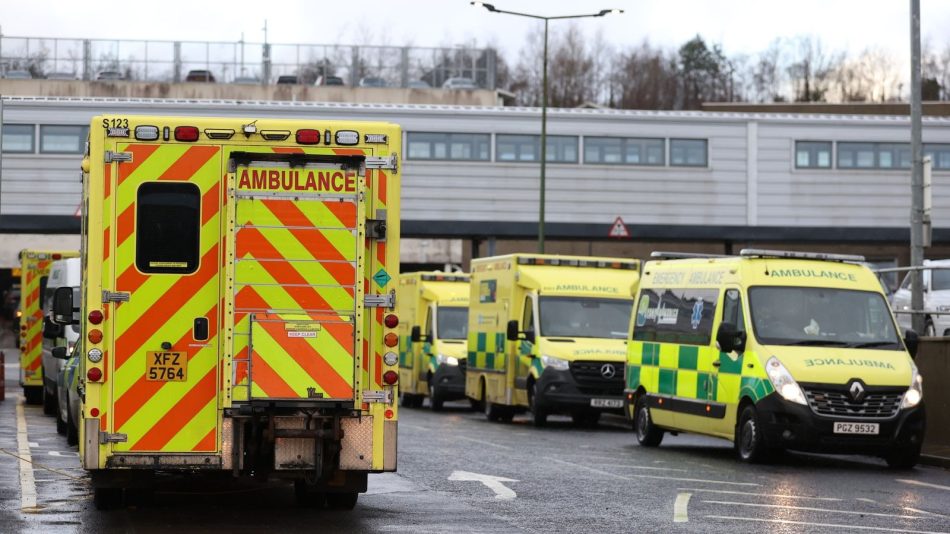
[544, 93]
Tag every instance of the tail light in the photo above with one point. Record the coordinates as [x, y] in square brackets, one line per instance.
[308, 137]
[96, 317]
[57, 256]
[391, 340]
[94, 374]
[186, 133]
[390, 377]
[391, 321]
[95, 335]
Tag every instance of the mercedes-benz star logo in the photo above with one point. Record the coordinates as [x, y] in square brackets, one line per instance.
[856, 389]
[608, 371]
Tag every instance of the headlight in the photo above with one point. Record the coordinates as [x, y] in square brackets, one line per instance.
[782, 381]
[447, 360]
[915, 392]
[555, 363]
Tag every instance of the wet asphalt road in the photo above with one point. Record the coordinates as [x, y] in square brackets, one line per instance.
[558, 479]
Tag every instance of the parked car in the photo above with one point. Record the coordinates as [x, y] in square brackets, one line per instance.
[288, 79]
[199, 75]
[419, 84]
[62, 76]
[62, 273]
[69, 395]
[247, 80]
[329, 80]
[373, 81]
[18, 75]
[110, 75]
[936, 298]
[459, 83]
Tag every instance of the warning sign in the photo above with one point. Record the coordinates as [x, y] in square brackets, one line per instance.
[619, 229]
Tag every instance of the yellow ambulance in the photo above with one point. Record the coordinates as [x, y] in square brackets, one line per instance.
[546, 334]
[238, 302]
[773, 350]
[433, 334]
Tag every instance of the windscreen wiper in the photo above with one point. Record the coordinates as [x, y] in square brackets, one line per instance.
[870, 344]
[817, 342]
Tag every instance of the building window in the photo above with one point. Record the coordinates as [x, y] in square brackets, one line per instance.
[62, 139]
[18, 138]
[939, 154]
[873, 155]
[624, 151]
[560, 148]
[449, 146]
[688, 152]
[167, 227]
[813, 154]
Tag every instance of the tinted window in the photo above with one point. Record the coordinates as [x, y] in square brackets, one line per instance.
[939, 154]
[624, 151]
[874, 156]
[449, 146]
[453, 322]
[18, 138]
[939, 279]
[682, 316]
[688, 152]
[560, 148]
[813, 154]
[62, 139]
[167, 227]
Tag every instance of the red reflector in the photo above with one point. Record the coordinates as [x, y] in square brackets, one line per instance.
[94, 374]
[391, 321]
[186, 133]
[94, 412]
[391, 340]
[389, 414]
[390, 377]
[57, 256]
[95, 336]
[308, 137]
[95, 317]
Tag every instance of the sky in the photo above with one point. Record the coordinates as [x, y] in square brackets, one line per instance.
[741, 26]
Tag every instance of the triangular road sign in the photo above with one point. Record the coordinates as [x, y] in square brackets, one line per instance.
[619, 229]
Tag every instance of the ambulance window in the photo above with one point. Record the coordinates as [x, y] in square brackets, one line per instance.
[428, 324]
[732, 309]
[167, 227]
[527, 318]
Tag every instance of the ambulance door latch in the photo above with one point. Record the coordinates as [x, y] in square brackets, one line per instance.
[385, 397]
[382, 162]
[380, 300]
[118, 156]
[105, 437]
[117, 296]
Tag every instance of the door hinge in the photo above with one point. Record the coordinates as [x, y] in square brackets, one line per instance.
[378, 396]
[390, 162]
[117, 296]
[105, 437]
[376, 228]
[380, 300]
[118, 156]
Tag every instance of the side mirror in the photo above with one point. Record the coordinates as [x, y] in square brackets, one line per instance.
[63, 306]
[416, 335]
[52, 330]
[60, 353]
[512, 333]
[911, 341]
[729, 338]
[529, 336]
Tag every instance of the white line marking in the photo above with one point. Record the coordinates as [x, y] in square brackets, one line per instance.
[915, 510]
[490, 444]
[753, 494]
[812, 509]
[865, 499]
[492, 482]
[27, 481]
[33, 444]
[632, 476]
[67, 453]
[924, 484]
[831, 525]
[621, 466]
[680, 506]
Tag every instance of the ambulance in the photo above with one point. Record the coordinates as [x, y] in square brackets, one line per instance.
[547, 334]
[773, 350]
[433, 335]
[34, 274]
[238, 302]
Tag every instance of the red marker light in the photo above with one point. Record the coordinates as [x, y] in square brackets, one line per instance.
[57, 256]
[95, 336]
[391, 321]
[389, 414]
[186, 133]
[308, 137]
[390, 377]
[94, 412]
[96, 317]
[94, 374]
[391, 340]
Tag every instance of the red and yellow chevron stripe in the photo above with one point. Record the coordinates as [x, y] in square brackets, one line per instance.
[34, 268]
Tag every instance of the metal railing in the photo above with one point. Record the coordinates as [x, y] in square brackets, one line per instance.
[247, 62]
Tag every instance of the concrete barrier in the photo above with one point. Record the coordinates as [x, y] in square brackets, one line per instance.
[933, 362]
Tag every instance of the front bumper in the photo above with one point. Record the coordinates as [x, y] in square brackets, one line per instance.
[562, 392]
[449, 381]
[794, 426]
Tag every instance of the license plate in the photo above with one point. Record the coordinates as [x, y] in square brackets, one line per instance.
[857, 428]
[606, 403]
[166, 366]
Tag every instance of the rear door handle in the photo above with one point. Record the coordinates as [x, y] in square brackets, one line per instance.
[717, 363]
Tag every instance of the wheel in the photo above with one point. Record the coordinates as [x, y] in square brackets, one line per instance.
[435, 398]
[538, 415]
[72, 431]
[586, 419]
[407, 400]
[342, 501]
[33, 394]
[493, 412]
[903, 457]
[107, 498]
[750, 442]
[60, 425]
[50, 403]
[306, 496]
[929, 330]
[475, 404]
[648, 434]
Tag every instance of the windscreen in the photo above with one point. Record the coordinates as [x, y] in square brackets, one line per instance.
[822, 317]
[453, 322]
[584, 317]
[940, 279]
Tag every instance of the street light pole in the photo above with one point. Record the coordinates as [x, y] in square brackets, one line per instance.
[544, 95]
[917, 172]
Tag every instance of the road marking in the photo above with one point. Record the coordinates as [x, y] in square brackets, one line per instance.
[924, 484]
[830, 525]
[865, 499]
[490, 444]
[67, 453]
[658, 477]
[27, 481]
[680, 506]
[492, 482]
[732, 492]
[812, 509]
[33, 444]
[915, 510]
[621, 466]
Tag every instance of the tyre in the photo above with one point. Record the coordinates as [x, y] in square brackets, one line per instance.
[33, 394]
[107, 498]
[342, 501]
[435, 398]
[493, 412]
[905, 457]
[50, 403]
[750, 442]
[407, 400]
[648, 434]
[306, 496]
[60, 425]
[475, 404]
[539, 416]
[72, 431]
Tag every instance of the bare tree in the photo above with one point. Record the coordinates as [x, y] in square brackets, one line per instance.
[811, 69]
[645, 78]
[767, 74]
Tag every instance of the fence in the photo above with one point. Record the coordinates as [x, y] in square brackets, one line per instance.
[242, 62]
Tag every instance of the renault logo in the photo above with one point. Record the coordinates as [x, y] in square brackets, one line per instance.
[856, 389]
[608, 371]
